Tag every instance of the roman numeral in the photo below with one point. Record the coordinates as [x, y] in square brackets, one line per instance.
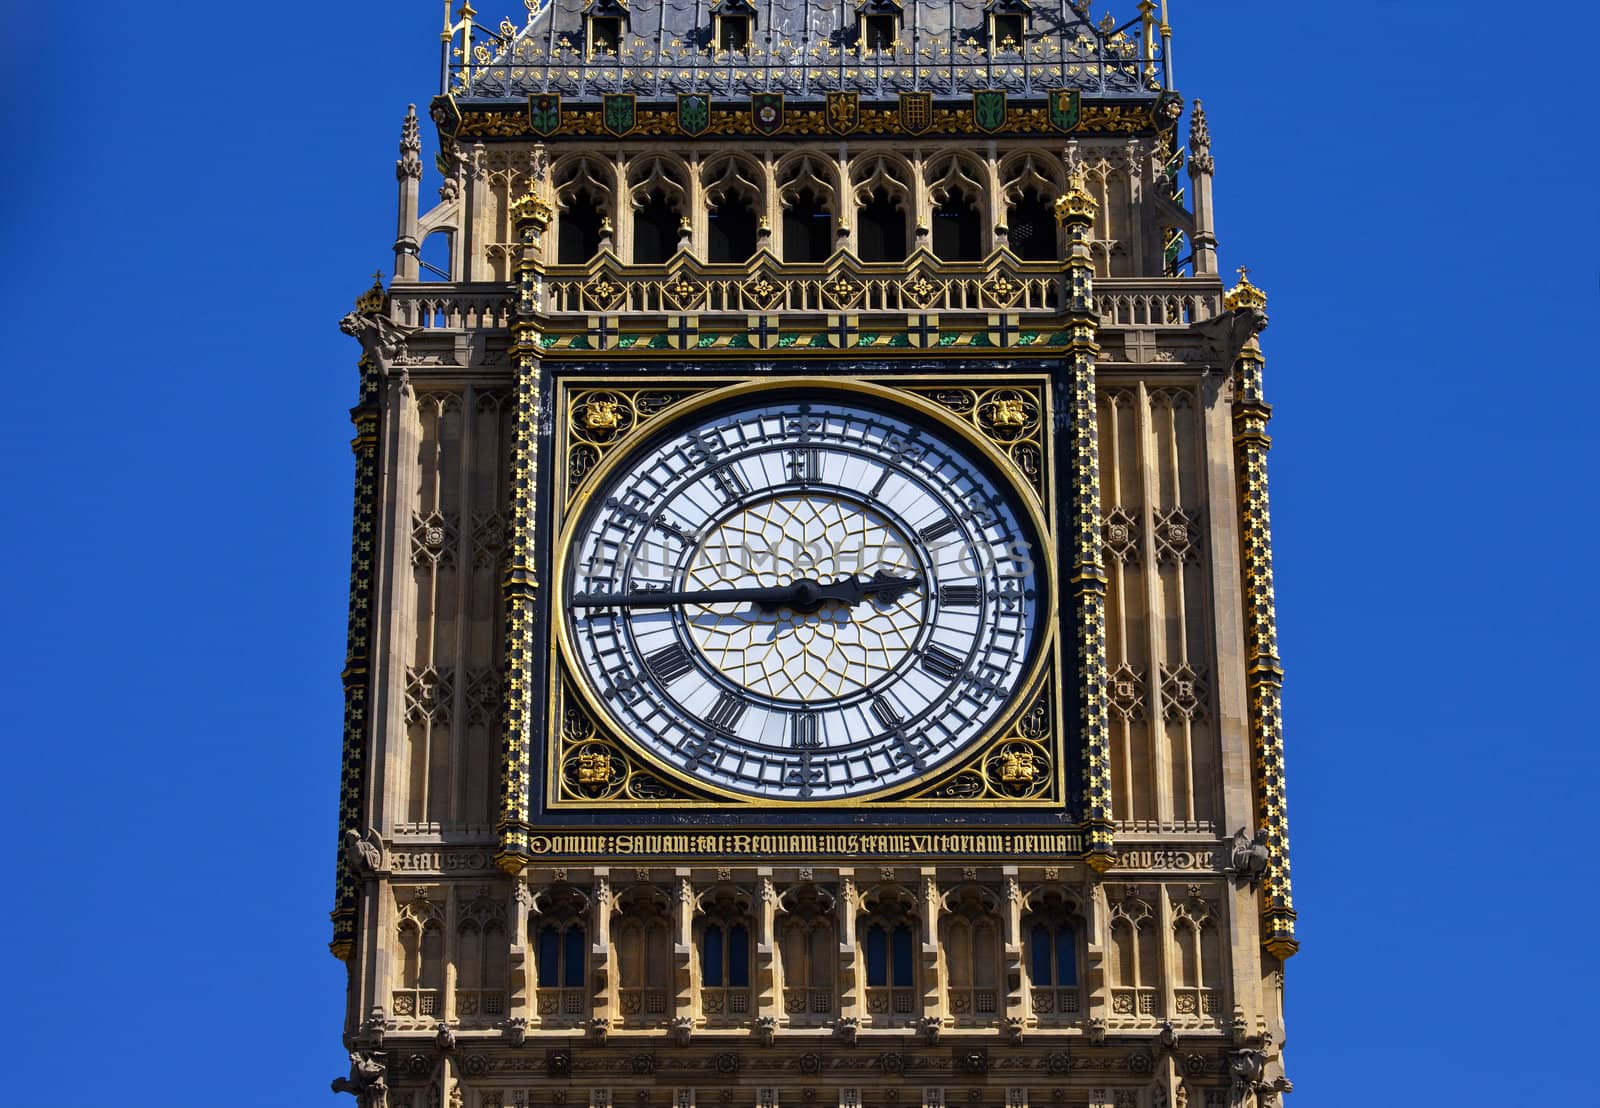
[669, 663]
[937, 530]
[806, 465]
[803, 731]
[959, 596]
[730, 482]
[941, 663]
[886, 712]
[726, 712]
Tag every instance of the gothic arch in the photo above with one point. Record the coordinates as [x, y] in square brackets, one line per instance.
[958, 195]
[970, 932]
[888, 931]
[885, 201]
[808, 192]
[1198, 969]
[1031, 180]
[658, 194]
[558, 929]
[641, 934]
[585, 193]
[724, 938]
[419, 987]
[1135, 960]
[482, 950]
[733, 186]
[808, 953]
[1054, 933]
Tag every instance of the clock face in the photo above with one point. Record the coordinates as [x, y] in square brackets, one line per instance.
[805, 594]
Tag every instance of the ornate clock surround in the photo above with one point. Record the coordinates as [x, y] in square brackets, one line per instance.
[1022, 768]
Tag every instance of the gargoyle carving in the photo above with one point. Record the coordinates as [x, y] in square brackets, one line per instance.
[383, 340]
[1250, 857]
[365, 854]
[368, 1080]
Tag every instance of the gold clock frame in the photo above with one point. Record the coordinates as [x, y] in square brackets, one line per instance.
[1018, 762]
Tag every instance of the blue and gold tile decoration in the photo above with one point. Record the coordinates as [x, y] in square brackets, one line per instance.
[520, 586]
[1076, 211]
[1251, 443]
[358, 641]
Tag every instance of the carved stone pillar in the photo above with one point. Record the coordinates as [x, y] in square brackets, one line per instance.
[1013, 956]
[683, 975]
[852, 999]
[767, 980]
[452, 955]
[470, 257]
[602, 959]
[932, 909]
[1201, 167]
[517, 958]
[408, 172]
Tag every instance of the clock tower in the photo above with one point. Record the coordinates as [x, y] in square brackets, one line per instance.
[811, 619]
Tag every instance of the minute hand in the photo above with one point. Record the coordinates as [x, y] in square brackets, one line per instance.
[802, 595]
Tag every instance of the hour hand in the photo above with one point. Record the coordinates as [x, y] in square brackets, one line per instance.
[882, 585]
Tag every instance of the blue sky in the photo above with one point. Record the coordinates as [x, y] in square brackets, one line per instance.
[196, 194]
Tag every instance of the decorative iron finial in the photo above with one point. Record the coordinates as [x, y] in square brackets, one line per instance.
[1244, 296]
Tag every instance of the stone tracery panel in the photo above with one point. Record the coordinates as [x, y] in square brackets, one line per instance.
[1164, 737]
[453, 662]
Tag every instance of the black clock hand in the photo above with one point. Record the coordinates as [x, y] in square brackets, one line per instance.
[804, 595]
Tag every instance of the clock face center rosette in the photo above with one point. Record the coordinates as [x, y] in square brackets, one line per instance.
[813, 650]
[815, 591]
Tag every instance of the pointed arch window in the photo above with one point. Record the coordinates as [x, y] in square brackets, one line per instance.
[733, 196]
[1197, 942]
[1135, 959]
[889, 936]
[725, 951]
[1052, 931]
[419, 995]
[482, 951]
[1032, 225]
[971, 932]
[558, 933]
[808, 952]
[583, 207]
[642, 935]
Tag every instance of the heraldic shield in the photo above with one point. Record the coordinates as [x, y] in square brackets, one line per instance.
[766, 112]
[844, 112]
[1064, 106]
[544, 113]
[916, 111]
[618, 112]
[989, 109]
[694, 113]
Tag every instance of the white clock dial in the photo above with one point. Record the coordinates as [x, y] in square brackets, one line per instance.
[803, 596]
